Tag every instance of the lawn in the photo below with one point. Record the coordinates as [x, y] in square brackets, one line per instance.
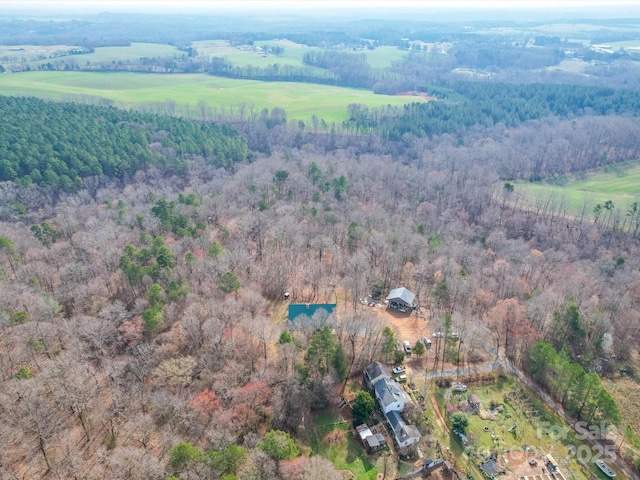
[337, 444]
[619, 183]
[131, 90]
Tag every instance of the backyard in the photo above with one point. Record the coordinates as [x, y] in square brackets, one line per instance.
[512, 426]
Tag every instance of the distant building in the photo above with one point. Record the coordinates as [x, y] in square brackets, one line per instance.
[401, 299]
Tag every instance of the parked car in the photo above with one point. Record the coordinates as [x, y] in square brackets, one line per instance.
[427, 342]
[398, 370]
[438, 335]
[459, 387]
[401, 378]
[407, 347]
[454, 335]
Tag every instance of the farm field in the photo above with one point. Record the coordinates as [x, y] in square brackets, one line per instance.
[380, 57]
[19, 53]
[619, 183]
[131, 52]
[135, 90]
[31, 54]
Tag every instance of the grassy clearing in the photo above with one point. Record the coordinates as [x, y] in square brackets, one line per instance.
[132, 52]
[383, 57]
[27, 53]
[619, 183]
[131, 90]
[626, 393]
[293, 52]
[337, 444]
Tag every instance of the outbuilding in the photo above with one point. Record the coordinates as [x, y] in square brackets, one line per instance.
[401, 299]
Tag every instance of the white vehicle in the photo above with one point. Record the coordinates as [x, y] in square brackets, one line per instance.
[398, 370]
[606, 469]
[459, 387]
[407, 347]
[427, 342]
[438, 335]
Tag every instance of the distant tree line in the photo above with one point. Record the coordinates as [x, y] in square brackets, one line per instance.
[461, 105]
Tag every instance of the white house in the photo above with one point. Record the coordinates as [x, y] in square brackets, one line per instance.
[390, 395]
[392, 400]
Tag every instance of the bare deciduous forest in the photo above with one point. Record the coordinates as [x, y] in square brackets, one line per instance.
[143, 329]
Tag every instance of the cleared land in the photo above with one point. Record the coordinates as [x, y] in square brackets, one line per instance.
[34, 55]
[619, 183]
[132, 52]
[131, 90]
[381, 57]
[335, 442]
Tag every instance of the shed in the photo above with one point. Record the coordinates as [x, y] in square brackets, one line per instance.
[474, 402]
[375, 442]
[401, 299]
[489, 468]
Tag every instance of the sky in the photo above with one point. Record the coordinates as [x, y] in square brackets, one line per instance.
[217, 5]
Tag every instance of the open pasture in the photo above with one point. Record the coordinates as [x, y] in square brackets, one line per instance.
[619, 183]
[135, 90]
[381, 57]
[27, 53]
[131, 52]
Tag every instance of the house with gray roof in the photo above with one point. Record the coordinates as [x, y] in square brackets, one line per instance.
[391, 399]
[401, 299]
[374, 372]
[403, 434]
[390, 395]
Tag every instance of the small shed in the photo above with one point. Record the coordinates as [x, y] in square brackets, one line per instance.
[490, 468]
[375, 442]
[372, 442]
[401, 299]
[474, 402]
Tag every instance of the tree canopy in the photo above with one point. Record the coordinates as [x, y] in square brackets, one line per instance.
[59, 144]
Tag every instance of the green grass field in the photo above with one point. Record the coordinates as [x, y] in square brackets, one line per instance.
[619, 183]
[132, 52]
[337, 444]
[131, 90]
[381, 57]
[29, 54]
